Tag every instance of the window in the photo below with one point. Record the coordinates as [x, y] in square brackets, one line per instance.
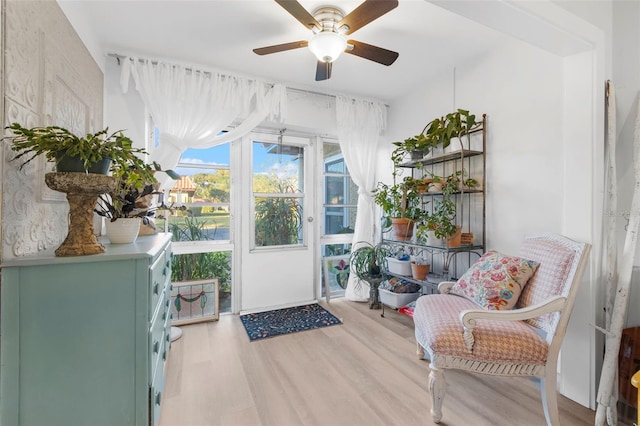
[204, 189]
[202, 233]
[340, 199]
[278, 194]
[340, 193]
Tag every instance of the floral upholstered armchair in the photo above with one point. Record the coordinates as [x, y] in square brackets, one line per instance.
[506, 316]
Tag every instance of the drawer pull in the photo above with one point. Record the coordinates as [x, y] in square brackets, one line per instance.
[167, 303]
[156, 287]
[168, 337]
[164, 355]
[156, 347]
[164, 271]
[158, 397]
[164, 316]
[168, 263]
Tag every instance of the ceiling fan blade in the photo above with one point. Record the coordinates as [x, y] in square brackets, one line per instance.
[281, 47]
[323, 71]
[372, 53]
[300, 13]
[368, 11]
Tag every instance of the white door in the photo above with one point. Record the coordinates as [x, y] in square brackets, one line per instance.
[278, 241]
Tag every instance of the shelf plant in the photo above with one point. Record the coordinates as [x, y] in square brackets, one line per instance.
[401, 205]
[456, 124]
[415, 147]
[442, 220]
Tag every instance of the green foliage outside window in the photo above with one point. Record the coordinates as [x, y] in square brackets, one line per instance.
[199, 266]
[278, 220]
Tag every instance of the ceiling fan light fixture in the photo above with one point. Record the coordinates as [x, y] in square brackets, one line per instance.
[327, 45]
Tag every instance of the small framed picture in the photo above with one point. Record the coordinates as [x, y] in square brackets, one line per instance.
[195, 301]
[336, 273]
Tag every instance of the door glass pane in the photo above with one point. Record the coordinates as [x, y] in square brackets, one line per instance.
[278, 181]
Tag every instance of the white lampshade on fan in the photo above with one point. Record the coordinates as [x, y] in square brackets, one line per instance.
[327, 45]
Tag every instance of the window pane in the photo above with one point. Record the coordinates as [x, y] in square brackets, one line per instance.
[340, 193]
[278, 221]
[277, 168]
[334, 190]
[204, 189]
[215, 156]
[339, 220]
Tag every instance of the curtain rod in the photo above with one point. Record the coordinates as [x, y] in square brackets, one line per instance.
[294, 89]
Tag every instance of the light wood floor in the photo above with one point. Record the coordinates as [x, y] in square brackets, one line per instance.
[363, 372]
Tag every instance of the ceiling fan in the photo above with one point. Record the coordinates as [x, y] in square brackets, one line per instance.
[330, 26]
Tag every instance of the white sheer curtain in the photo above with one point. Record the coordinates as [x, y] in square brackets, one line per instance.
[191, 107]
[360, 123]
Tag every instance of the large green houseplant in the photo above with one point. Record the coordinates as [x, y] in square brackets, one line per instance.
[456, 124]
[60, 145]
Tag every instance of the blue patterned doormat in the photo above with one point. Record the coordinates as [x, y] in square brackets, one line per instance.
[262, 325]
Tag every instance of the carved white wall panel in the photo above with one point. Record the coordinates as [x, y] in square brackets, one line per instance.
[51, 80]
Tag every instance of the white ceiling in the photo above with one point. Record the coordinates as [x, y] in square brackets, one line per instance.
[220, 34]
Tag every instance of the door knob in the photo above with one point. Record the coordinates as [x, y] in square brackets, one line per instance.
[310, 219]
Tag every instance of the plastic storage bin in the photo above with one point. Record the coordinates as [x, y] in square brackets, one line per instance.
[396, 300]
[400, 267]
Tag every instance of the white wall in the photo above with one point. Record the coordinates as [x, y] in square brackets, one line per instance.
[519, 87]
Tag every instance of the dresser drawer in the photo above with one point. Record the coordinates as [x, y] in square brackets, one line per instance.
[160, 277]
[157, 390]
[157, 334]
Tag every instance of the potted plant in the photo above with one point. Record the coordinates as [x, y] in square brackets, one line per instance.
[92, 153]
[415, 146]
[129, 205]
[401, 204]
[441, 221]
[453, 125]
[420, 268]
[367, 264]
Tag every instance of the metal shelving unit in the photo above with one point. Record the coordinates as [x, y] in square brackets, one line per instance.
[448, 263]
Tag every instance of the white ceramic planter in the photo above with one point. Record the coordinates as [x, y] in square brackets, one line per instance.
[123, 230]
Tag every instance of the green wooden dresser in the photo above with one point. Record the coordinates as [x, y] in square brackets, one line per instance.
[84, 339]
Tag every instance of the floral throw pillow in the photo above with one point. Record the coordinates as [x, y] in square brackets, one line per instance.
[496, 280]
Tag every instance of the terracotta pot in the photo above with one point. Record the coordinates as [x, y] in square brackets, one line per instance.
[402, 228]
[455, 239]
[419, 272]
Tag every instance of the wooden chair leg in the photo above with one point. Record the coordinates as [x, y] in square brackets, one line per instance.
[437, 388]
[549, 396]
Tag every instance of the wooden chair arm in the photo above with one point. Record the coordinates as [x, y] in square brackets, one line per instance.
[445, 286]
[468, 317]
